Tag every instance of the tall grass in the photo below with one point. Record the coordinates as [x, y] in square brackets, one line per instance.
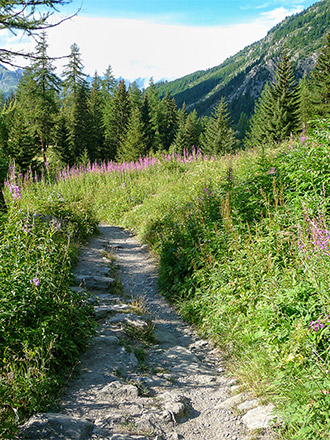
[243, 245]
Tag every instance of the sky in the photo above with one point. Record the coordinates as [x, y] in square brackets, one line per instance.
[162, 39]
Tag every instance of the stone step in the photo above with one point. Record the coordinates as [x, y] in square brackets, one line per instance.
[53, 426]
[94, 282]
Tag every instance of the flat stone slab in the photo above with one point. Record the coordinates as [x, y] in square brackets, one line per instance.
[94, 281]
[259, 418]
[107, 340]
[248, 404]
[231, 402]
[52, 426]
[104, 310]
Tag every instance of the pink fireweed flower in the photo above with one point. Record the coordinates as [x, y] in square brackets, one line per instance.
[15, 191]
[35, 281]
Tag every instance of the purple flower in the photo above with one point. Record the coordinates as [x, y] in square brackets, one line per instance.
[26, 230]
[35, 281]
[15, 192]
[272, 171]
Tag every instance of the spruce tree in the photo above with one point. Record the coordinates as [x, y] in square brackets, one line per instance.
[277, 112]
[22, 145]
[135, 95]
[96, 129]
[193, 131]
[156, 114]
[116, 119]
[282, 110]
[74, 110]
[219, 136]
[168, 121]
[257, 134]
[108, 84]
[133, 145]
[147, 125]
[41, 97]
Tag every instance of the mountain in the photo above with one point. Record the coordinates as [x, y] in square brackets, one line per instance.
[9, 80]
[241, 78]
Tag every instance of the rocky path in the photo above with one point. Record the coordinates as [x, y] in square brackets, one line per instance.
[146, 374]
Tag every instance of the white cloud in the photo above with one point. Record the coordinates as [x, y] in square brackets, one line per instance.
[145, 48]
[279, 14]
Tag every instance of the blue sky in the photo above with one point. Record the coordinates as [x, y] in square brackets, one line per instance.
[189, 12]
[163, 39]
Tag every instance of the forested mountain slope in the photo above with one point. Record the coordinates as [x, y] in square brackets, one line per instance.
[241, 78]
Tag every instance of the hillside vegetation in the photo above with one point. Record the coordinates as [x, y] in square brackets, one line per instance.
[241, 78]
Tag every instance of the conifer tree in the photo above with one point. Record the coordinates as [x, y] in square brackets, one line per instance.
[168, 122]
[282, 111]
[96, 129]
[147, 125]
[219, 136]
[135, 95]
[116, 119]
[257, 134]
[180, 142]
[193, 131]
[321, 81]
[22, 145]
[40, 99]
[74, 110]
[133, 145]
[277, 112]
[156, 113]
[108, 84]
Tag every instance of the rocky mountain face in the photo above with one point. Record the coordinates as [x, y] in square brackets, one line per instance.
[241, 78]
[9, 80]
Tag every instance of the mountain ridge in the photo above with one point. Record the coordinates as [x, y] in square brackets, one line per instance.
[241, 77]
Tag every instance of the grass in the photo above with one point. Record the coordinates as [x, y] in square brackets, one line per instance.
[243, 250]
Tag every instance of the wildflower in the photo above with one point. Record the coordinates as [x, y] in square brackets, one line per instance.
[302, 139]
[272, 171]
[35, 281]
[15, 192]
[26, 229]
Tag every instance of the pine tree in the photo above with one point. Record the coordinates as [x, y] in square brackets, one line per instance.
[321, 81]
[219, 136]
[116, 119]
[133, 145]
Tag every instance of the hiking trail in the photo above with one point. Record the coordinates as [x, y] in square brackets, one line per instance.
[146, 374]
